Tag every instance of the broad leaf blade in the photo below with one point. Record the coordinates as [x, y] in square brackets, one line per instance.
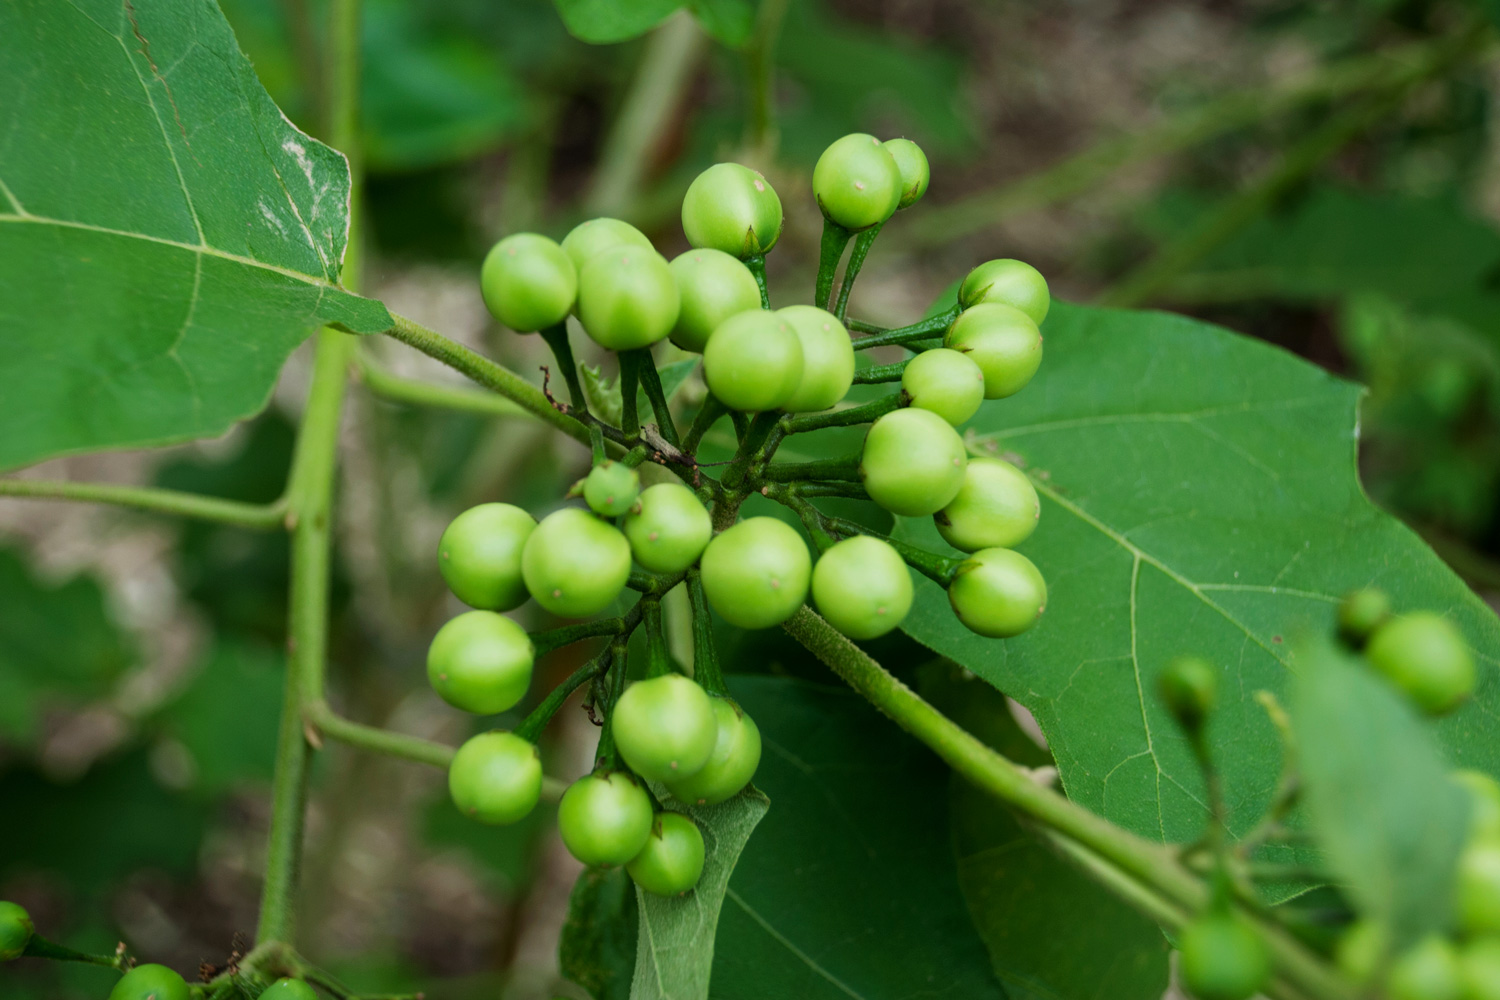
[605, 21]
[165, 240]
[598, 944]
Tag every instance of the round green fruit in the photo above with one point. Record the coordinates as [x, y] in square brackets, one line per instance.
[753, 362]
[611, 488]
[946, 382]
[1223, 958]
[862, 587]
[668, 528]
[1424, 656]
[1361, 612]
[996, 508]
[713, 287]
[756, 573]
[627, 298]
[913, 462]
[857, 182]
[289, 989]
[732, 208]
[998, 593]
[1477, 888]
[574, 564]
[915, 173]
[1189, 686]
[827, 358]
[1010, 283]
[1484, 815]
[479, 556]
[1002, 341]
[481, 662]
[496, 778]
[150, 982]
[1361, 949]
[732, 764]
[16, 930]
[1479, 968]
[672, 861]
[664, 727]
[604, 818]
[1427, 971]
[591, 238]
[528, 282]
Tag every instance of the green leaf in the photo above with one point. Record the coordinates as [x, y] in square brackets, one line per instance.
[605, 21]
[225, 719]
[1377, 791]
[598, 944]
[728, 21]
[165, 240]
[1199, 495]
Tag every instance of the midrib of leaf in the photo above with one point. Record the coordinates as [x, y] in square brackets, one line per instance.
[786, 943]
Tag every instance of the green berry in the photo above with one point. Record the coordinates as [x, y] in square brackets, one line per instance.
[1424, 656]
[713, 286]
[915, 173]
[1484, 816]
[998, 593]
[574, 564]
[827, 358]
[1010, 283]
[1427, 971]
[862, 586]
[1477, 888]
[496, 778]
[627, 298]
[1189, 686]
[668, 528]
[857, 182]
[289, 989]
[604, 818]
[1002, 341]
[591, 238]
[481, 662]
[672, 861]
[15, 930]
[913, 462]
[664, 727]
[996, 508]
[611, 488]
[946, 382]
[480, 556]
[1361, 949]
[1479, 968]
[753, 362]
[756, 573]
[1223, 958]
[529, 283]
[732, 208]
[150, 982]
[732, 764]
[1361, 612]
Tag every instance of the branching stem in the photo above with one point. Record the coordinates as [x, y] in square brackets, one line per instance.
[260, 517]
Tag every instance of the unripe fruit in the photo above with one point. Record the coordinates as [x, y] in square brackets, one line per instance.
[1484, 796]
[1476, 890]
[479, 556]
[1361, 612]
[732, 208]
[481, 662]
[1009, 282]
[756, 573]
[1190, 687]
[668, 528]
[627, 298]
[1002, 341]
[753, 362]
[915, 173]
[732, 764]
[528, 282]
[862, 586]
[827, 358]
[16, 929]
[913, 462]
[1427, 971]
[857, 182]
[604, 818]
[574, 564]
[611, 488]
[1361, 950]
[289, 989]
[1223, 958]
[664, 727]
[1423, 655]
[713, 287]
[150, 982]
[946, 382]
[591, 238]
[672, 861]
[996, 508]
[998, 593]
[496, 778]
[1479, 968]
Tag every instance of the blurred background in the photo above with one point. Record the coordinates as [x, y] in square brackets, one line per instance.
[1321, 174]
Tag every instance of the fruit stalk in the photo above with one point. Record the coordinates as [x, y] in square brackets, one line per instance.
[862, 244]
[920, 330]
[835, 238]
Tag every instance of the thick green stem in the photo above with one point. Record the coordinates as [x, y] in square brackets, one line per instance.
[844, 469]
[415, 392]
[242, 515]
[938, 569]
[907, 334]
[630, 380]
[606, 757]
[40, 947]
[650, 380]
[835, 238]
[862, 244]
[708, 415]
[706, 669]
[861, 414]
[658, 659]
[877, 374]
[847, 490]
[755, 445]
[760, 66]
[562, 349]
[323, 719]
[531, 728]
[546, 642]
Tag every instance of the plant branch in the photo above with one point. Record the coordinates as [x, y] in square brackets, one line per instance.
[324, 720]
[862, 244]
[760, 69]
[416, 392]
[651, 382]
[40, 947]
[263, 517]
[835, 238]
[920, 330]
[877, 374]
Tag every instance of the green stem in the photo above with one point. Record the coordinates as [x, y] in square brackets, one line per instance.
[606, 757]
[708, 415]
[862, 244]
[755, 445]
[243, 515]
[939, 569]
[920, 330]
[760, 67]
[652, 584]
[845, 469]
[846, 490]
[630, 380]
[706, 670]
[658, 659]
[876, 374]
[562, 350]
[416, 392]
[757, 265]
[835, 238]
[531, 728]
[861, 414]
[326, 721]
[651, 382]
[40, 947]
[546, 642]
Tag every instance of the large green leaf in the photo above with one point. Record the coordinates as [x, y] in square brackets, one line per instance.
[598, 945]
[604, 21]
[166, 236]
[1199, 495]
